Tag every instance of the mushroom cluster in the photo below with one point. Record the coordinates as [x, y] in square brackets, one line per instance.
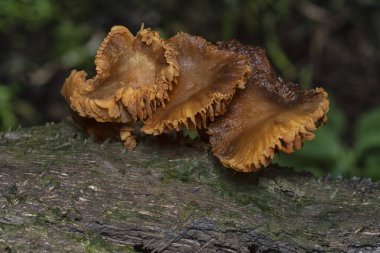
[228, 89]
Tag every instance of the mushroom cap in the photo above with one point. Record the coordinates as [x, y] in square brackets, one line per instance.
[268, 116]
[134, 74]
[207, 82]
[76, 89]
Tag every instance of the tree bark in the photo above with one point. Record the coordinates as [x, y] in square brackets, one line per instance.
[62, 192]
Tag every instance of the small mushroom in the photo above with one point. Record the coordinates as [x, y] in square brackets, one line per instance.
[269, 115]
[134, 74]
[207, 82]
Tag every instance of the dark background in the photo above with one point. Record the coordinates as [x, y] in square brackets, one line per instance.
[333, 44]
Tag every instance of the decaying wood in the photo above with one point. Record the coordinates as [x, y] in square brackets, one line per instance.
[62, 192]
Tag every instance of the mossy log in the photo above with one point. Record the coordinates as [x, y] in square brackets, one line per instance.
[62, 192]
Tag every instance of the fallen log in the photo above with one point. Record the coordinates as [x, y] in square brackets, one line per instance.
[63, 192]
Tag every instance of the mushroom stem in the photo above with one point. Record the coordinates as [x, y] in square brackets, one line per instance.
[129, 140]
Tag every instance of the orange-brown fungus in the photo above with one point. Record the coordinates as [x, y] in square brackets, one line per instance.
[134, 74]
[185, 82]
[268, 116]
[207, 81]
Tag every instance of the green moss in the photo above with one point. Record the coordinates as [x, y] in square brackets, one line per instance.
[56, 215]
[40, 219]
[13, 195]
[192, 209]
[119, 214]
[95, 244]
[194, 169]
[151, 163]
[95, 172]
[12, 237]
[50, 182]
[12, 190]
[7, 228]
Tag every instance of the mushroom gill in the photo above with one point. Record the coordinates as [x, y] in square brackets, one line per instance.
[268, 116]
[207, 82]
[134, 74]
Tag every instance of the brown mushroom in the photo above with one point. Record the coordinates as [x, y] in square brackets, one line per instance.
[268, 116]
[134, 74]
[207, 81]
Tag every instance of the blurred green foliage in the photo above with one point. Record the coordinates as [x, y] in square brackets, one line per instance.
[32, 13]
[7, 113]
[12, 108]
[40, 39]
[308, 41]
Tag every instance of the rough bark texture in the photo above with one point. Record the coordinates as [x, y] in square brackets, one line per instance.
[61, 192]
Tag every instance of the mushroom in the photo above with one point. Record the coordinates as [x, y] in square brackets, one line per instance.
[269, 115]
[133, 77]
[185, 82]
[207, 82]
